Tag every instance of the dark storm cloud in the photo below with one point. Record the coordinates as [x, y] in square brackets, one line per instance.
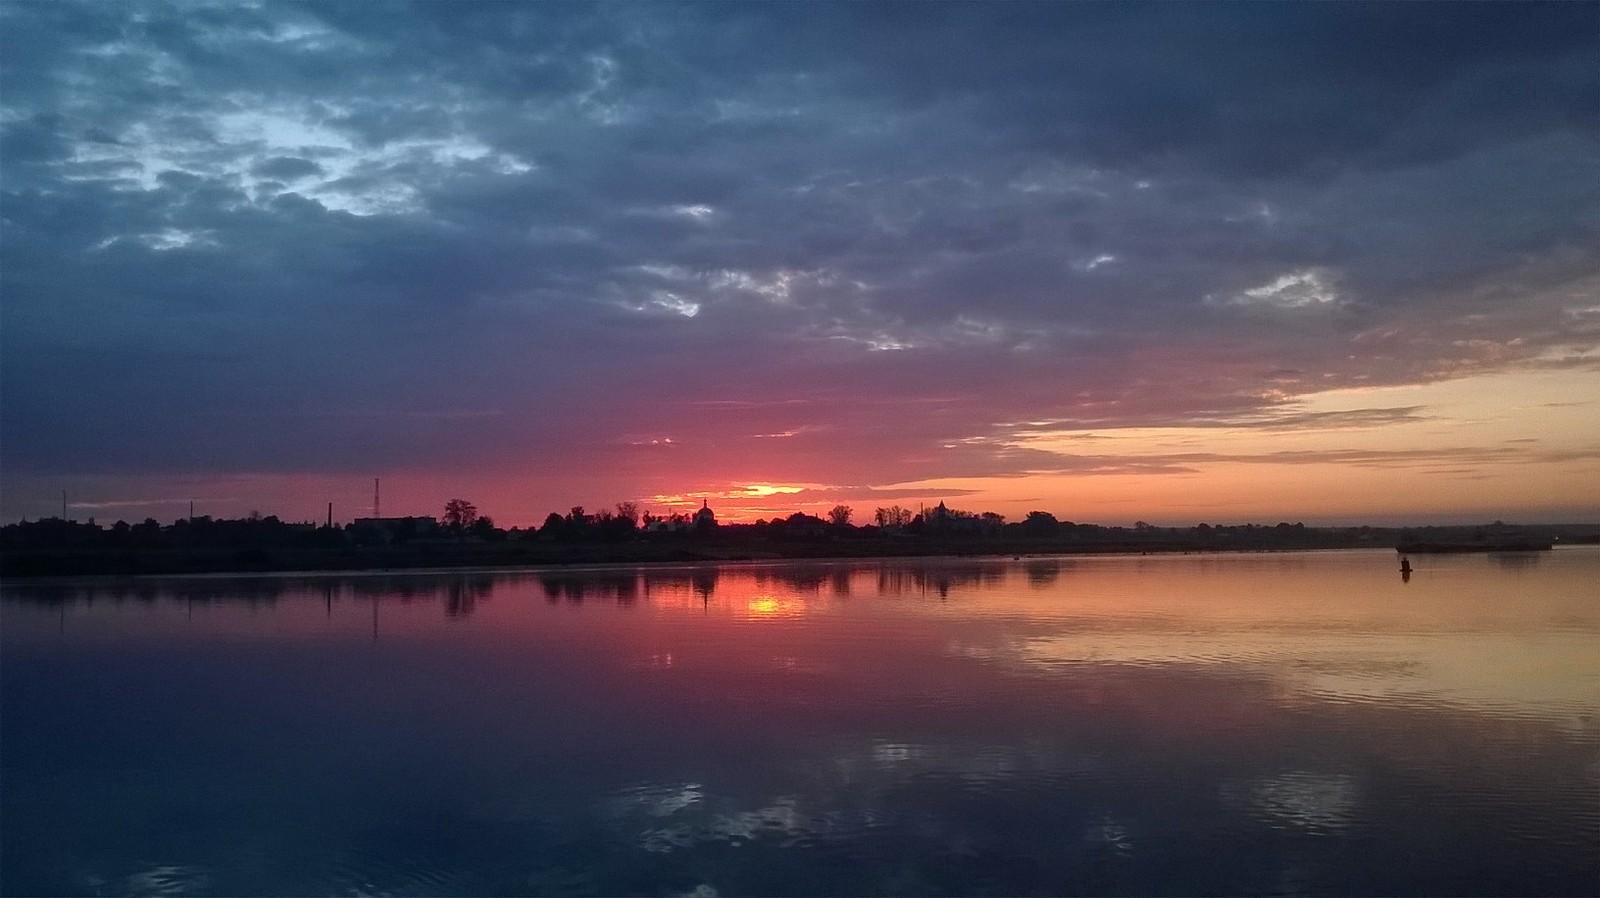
[302, 237]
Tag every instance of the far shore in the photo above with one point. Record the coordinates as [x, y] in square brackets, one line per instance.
[474, 566]
[466, 555]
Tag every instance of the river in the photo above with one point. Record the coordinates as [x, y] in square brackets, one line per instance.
[1274, 723]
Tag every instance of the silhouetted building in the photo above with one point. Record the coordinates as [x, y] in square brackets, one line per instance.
[705, 518]
[947, 520]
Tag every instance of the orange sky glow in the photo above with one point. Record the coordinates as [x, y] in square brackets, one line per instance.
[1517, 446]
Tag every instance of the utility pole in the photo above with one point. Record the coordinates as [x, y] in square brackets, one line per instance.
[330, 515]
[375, 506]
[63, 505]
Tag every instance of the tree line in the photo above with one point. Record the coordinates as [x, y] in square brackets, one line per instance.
[625, 533]
[461, 520]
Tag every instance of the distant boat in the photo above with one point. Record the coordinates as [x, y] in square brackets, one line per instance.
[1496, 544]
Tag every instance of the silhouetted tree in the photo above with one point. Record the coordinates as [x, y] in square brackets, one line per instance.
[628, 511]
[459, 514]
[1041, 523]
[893, 516]
[839, 515]
[798, 526]
[618, 526]
[483, 528]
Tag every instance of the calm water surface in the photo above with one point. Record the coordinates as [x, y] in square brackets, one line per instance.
[1273, 723]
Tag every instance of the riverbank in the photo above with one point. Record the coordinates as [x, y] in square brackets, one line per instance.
[445, 555]
[332, 551]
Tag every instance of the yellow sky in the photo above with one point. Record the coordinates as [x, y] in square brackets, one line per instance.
[1523, 445]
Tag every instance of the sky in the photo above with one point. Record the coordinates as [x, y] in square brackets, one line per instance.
[1180, 263]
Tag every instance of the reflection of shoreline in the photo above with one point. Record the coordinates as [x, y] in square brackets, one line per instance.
[623, 583]
[892, 576]
[1326, 624]
[1065, 556]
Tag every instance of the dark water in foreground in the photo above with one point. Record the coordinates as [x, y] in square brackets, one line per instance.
[1287, 723]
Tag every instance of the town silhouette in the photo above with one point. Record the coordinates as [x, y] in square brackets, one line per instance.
[463, 537]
